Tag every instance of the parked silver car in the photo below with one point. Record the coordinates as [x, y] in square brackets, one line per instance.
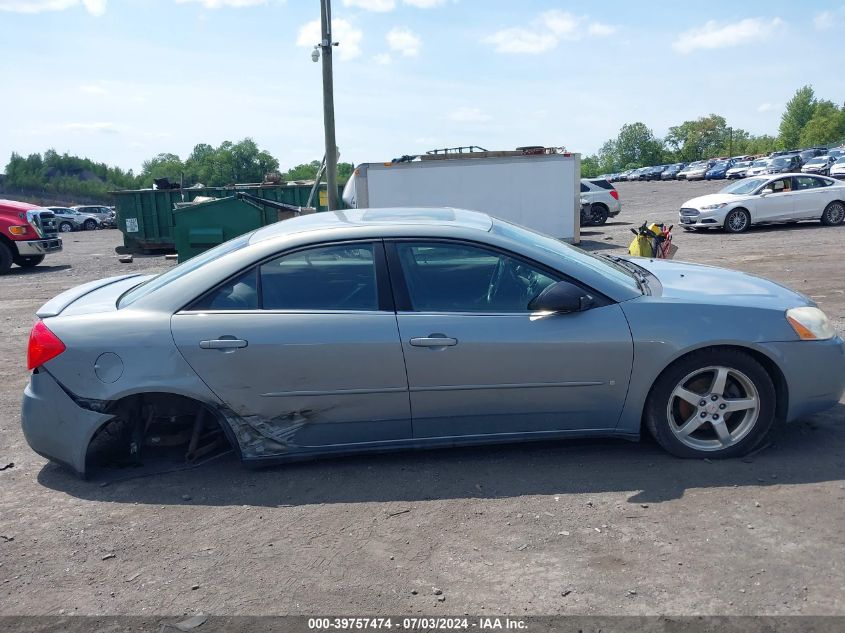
[99, 211]
[767, 199]
[68, 219]
[602, 198]
[383, 329]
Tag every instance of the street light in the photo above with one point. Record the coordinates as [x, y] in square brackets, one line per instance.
[324, 50]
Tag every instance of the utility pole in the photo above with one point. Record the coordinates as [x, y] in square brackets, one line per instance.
[328, 102]
[731, 142]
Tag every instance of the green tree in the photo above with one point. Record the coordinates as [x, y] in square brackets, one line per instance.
[799, 111]
[826, 126]
[635, 146]
[705, 137]
[163, 165]
[590, 167]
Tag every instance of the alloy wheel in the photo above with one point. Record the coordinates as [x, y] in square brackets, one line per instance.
[835, 213]
[713, 408]
[737, 221]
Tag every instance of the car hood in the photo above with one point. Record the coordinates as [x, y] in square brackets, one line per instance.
[711, 198]
[697, 283]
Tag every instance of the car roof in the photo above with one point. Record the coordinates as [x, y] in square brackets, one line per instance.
[377, 219]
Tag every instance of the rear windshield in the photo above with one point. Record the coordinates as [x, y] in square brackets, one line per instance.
[602, 183]
[151, 285]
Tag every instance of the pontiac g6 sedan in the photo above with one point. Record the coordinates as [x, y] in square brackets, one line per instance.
[383, 329]
[766, 200]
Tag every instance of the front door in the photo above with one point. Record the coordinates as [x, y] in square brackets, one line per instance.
[480, 363]
[778, 205]
[304, 349]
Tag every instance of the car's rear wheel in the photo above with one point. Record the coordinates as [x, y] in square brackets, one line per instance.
[716, 403]
[737, 221]
[89, 225]
[29, 261]
[5, 258]
[834, 214]
[66, 227]
[598, 214]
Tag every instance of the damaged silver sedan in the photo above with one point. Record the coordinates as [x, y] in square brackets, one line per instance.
[383, 329]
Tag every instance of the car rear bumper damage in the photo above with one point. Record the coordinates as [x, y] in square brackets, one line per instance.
[39, 247]
[55, 426]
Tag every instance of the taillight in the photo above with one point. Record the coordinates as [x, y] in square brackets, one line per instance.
[43, 346]
[615, 194]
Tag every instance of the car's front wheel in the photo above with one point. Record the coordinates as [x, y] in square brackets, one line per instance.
[716, 403]
[90, 225]
[737, 221]
[66, 227]
[834, 214]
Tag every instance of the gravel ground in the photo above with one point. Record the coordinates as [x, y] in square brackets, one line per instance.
[587, 527]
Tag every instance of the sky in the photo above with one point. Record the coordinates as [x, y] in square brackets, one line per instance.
[120, 81]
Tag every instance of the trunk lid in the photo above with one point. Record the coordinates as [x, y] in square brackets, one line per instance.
[94, 296]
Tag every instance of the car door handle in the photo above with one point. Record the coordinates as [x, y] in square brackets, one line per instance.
[223, 343]
[435, 340]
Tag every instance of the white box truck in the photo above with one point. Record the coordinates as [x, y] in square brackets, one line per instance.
[538, 191]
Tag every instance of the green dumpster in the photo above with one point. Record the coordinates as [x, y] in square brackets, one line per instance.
[202, 225]
[146, 217]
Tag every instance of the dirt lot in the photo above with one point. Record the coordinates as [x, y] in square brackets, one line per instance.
[571, 527]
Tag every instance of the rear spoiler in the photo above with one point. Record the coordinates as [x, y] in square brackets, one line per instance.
[58, 303]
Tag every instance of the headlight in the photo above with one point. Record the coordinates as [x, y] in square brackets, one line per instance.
[710, 207]
[810, 324]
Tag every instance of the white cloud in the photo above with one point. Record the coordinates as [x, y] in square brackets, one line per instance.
[403, 41]
[469, 115]
[545, 32]
[229, 4]
[599, 29]
[715, 35]
[424, 4]
[93, 89]
[99, 127]
[824, 21]
[767, 107]
[342, 31]
[378, 6]
[94, 7]
[383, 59]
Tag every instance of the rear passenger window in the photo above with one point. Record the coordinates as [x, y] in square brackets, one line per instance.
[807, 182]
[584, 188]
[326, 278]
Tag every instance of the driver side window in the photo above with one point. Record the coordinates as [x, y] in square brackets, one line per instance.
[444, 277]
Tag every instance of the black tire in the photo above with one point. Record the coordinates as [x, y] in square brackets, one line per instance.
[30, 261]
[660, 399]
[6, 258]
[66, 227]
[737, 221]
[89, 225]
[834, 214]
[598, 214]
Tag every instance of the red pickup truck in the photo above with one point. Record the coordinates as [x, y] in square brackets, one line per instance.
[27, 233]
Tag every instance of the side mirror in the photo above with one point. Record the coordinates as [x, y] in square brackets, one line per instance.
[767, 191]
[561, 297]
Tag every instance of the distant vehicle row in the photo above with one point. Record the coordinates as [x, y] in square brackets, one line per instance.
[84, 218]
[822, 161]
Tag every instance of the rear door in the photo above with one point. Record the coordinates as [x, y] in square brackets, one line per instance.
[305, 347]
[480, 363]
[810, 197]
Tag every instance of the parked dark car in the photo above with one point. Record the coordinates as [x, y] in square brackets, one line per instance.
[819, 165]
[654, 173]
[785, 164]
[671, 171]
[719, 170]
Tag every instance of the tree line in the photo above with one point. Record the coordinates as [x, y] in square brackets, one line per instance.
[229, 163]
[806, 122]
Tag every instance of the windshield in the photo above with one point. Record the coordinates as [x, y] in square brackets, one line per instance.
[743, 187]
[759, 163]
[744, 163]
[779, 161]
[151, 285]
[720, 164]
[841, 161]
[817, 161]
[605, 267]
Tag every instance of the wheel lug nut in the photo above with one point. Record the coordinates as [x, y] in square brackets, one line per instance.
[702, 403]
[722, 406]
[714, 397]
[715, 416]
[703, 414]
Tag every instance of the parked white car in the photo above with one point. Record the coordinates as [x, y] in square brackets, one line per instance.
[738, 170]
[837, 170]
[758, 167]
[602, 198]
[68, 220]
[762, 200]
